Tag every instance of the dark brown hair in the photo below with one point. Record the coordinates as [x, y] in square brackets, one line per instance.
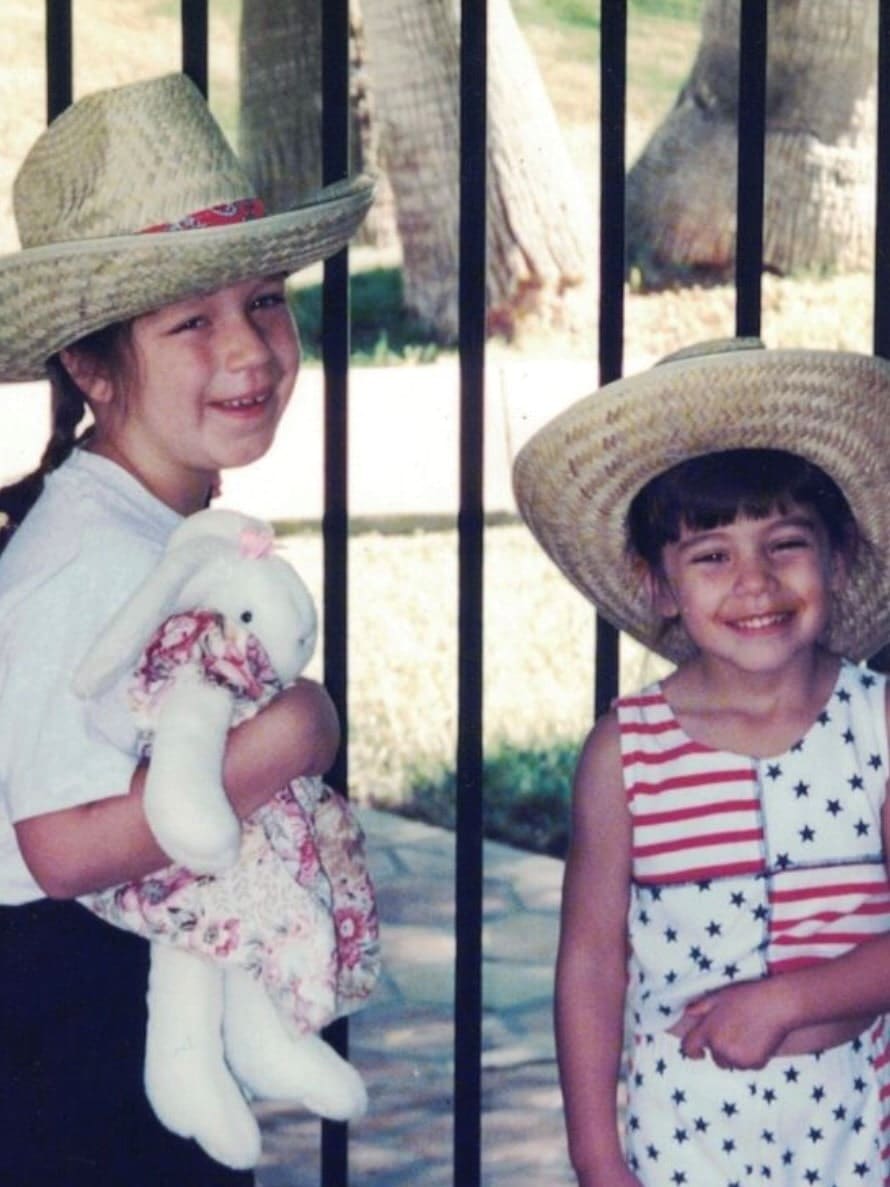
[712, 490]
[109, 347]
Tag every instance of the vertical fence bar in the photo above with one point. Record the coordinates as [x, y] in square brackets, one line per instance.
[613, 101]
[335, 528]
[881, 323]
[193, 18]
[59, 57]
[469, 854]
[881, 315]
[750, 183]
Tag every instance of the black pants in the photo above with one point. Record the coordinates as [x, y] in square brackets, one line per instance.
[73, 1111]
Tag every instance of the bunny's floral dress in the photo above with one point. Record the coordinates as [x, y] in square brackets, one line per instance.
[298, 909]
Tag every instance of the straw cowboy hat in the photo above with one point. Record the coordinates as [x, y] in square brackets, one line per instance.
[133, 198]
[575, 479]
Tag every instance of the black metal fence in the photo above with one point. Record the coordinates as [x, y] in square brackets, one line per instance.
[613, 15]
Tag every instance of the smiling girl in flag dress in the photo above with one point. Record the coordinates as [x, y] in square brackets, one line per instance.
[727, 871]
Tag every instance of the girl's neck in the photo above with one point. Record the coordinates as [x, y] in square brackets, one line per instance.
[759, 714]
[184, 497]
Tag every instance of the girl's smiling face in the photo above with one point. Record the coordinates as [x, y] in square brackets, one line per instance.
[212, 376]
[754, 592]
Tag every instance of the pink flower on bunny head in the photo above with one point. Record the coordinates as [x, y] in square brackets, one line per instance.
[255, 543]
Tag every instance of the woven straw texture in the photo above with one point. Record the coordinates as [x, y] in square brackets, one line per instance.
[114, 164]
[575, 479]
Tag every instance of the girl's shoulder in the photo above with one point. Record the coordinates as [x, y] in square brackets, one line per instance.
[72, 560]
[861, 687]
[648, 695]
[647, 707]
[599, 762]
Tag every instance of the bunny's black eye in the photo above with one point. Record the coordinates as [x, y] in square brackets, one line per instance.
[247, 616]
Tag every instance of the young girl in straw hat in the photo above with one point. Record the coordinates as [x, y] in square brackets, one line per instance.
[728, 859]
[150, 289]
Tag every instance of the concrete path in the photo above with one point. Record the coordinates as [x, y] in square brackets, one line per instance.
[404, 438]
[403, 1041]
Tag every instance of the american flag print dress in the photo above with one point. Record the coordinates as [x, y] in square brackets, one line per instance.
[742, 868]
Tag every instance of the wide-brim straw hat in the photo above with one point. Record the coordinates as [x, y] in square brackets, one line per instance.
[133, 198]
[575, 479]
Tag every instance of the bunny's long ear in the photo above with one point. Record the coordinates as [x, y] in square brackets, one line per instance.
[121, 643]
[200, 539]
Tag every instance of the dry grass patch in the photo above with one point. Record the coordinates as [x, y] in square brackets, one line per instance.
[538, 660]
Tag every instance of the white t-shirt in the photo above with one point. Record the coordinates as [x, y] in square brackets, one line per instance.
[90, 540]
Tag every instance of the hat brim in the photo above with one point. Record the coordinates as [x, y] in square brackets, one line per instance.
[52, 296]
[575, 479]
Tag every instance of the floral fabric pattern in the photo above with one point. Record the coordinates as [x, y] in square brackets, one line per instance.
[298, 908]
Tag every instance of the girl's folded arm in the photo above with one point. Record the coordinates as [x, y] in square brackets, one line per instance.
[99, 844]
[857, 983]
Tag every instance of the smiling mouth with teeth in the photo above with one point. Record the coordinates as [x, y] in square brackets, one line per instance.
[759, 622]
[242, 402]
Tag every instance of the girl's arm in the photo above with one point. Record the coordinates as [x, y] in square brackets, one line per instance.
[742, 1026]
[591, 969]
[96, 845]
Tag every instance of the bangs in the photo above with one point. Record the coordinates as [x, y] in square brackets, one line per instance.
[714, 490]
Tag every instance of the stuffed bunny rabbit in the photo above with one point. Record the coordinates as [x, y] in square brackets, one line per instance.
[266, 929]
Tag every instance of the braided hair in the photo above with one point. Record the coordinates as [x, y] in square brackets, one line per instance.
[108, 346]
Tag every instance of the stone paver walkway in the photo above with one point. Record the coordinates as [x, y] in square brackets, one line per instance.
[403, 1041]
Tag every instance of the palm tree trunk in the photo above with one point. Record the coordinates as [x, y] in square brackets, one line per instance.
[819, 183]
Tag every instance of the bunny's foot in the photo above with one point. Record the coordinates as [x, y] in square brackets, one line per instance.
[272, 1064]
[187, 1081]
[197, 1101]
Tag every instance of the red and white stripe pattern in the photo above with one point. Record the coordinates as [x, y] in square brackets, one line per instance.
[821, 912]
[694, 818]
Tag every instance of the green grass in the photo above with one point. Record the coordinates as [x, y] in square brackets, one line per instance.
[383, 332]
[576, 14]
[581, 14]
[676, 10]
[526, 797]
